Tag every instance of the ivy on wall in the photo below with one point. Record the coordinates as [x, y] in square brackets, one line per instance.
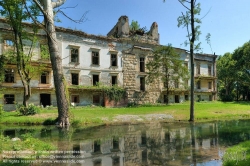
[114, 93]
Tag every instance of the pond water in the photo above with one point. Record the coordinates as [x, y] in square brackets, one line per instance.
[149, 144]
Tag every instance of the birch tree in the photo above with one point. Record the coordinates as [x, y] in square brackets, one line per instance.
[189, 21]
[14, 13]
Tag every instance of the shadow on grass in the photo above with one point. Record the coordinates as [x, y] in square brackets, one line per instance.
[237, 102]
[50, 121]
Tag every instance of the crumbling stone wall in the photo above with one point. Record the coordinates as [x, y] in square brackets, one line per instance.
[131, 76]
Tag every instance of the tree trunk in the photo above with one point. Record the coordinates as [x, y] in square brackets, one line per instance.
[20, 68]
[56, 61]
[192, 62]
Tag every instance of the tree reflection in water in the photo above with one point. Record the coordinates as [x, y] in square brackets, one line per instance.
[146, 144]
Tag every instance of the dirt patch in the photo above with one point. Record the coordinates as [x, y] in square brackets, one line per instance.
[49, 115]
[142, 118]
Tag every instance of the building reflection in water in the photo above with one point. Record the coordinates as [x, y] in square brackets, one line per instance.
[147, 144]
[154, 144]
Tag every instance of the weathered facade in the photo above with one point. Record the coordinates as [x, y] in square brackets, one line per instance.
[118, 59]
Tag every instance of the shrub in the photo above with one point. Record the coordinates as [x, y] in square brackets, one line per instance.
[30, 110]
[1, 111]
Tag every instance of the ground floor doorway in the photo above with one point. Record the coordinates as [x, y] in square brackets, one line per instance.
[45, 100]
[176, 99]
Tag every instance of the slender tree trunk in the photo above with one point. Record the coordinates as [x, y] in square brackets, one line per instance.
[56, 61]
[192, 62]
[20, 68]
[167, 82]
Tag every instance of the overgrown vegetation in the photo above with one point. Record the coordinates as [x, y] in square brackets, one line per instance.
[25, 143]
[237, 155]
[167, 66]
[31, 109]
[114, 93]
[234, 74]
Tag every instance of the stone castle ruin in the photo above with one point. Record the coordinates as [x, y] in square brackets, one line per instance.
[122, 30]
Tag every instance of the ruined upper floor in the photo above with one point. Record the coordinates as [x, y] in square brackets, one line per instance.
[122, 30]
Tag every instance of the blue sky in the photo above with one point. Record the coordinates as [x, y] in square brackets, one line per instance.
[228, 22]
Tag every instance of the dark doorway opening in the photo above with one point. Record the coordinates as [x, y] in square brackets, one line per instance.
[45, 100]
[176, 99]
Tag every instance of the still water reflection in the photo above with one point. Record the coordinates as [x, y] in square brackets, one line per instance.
[148, 144]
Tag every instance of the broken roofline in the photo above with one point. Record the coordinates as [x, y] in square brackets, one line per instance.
[99, 37]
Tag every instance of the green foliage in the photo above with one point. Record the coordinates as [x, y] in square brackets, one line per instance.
[114, 93]
[1, 111]
[15, 13]
[136, 30]
[166, 66]
[44, 52]
[27, 142]
[134, 25]
[189, 21]
[226, 76]
[237, 155]
[234, 74]
[30, 110]
[2, 64]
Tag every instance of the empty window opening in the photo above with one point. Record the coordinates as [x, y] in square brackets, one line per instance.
[74, 55]
[45, 78]
[165, 84]
[9, 99]
[167, 137]
[176, 84]
[143, 139]
[210, 98]
[142, 83]
[115, 143]
[209, 70]
[97, 146]
[96, 99]
[198, 84]
[114, 80]
[209, 85]
[142, 64]
[95, 80]
[74, 77]
[198, 69]
[9, 75]
[113, 60]
[45, 100]
[199, 97]
[165, 99]
[97, 162]
[116, 161]
[95, 58]
[176, 98]
[75, 99]
[76, 149]
[186, 97]
[144, 156]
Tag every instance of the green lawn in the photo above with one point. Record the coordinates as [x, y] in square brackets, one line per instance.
[237, 155]
[90, 115]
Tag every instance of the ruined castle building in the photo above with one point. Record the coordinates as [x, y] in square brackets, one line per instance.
[119, 58]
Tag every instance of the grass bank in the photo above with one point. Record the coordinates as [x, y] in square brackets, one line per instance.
[99, 115]
[237, 155]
